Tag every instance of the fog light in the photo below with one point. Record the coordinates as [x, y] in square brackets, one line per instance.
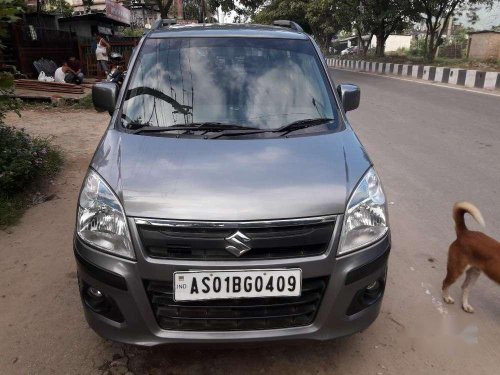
[100, 302]
[373, 286]
[95, 299]
[366, 296]
[95, 293]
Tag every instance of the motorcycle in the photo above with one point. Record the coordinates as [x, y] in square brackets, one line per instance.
[118, 72]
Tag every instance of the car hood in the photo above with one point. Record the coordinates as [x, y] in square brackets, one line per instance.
[235, 179]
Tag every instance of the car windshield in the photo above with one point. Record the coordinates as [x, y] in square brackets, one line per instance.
[251, 82]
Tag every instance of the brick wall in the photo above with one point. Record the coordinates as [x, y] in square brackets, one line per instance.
[485, 46]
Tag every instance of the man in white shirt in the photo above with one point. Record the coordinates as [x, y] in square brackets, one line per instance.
[101, 53]
[64, 74]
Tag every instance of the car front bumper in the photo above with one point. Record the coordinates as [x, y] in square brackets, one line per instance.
[133, 321]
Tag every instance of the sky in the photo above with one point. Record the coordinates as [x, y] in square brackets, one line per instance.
[487, 18]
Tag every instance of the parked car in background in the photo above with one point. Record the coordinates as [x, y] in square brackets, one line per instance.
[230, 200]
[350, 51]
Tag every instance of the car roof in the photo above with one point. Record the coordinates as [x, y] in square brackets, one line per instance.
[227, 30]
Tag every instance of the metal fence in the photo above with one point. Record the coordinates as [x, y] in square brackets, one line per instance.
[453, 50]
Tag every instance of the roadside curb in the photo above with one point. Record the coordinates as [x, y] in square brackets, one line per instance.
[455, 76]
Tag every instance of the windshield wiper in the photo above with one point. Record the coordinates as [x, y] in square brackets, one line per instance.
[195, 126]
[302, 124]
[219, 126]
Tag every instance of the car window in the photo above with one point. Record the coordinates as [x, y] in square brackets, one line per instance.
[255, 82]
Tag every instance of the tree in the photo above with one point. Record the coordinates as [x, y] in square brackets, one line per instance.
[294, 10]
[351, 15]
[56, 6]
[324, 22]
[163, 6]
[192, 10]
[317, 17]
[244, 9]
[324, 18]
[88, 5]
[384, 17]
[9, 10]
[437, 14]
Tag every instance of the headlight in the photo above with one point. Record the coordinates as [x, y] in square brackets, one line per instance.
[365, 218]
[101, 219]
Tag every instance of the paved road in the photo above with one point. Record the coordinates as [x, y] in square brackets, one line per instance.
[431, 145]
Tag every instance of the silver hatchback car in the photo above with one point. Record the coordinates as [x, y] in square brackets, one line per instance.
[229, 199]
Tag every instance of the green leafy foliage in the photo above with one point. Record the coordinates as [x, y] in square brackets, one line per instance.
[318, 17]
[385, 17]
[57, 7]
[23, 159]
[325, 18]
[438, 13]
[9, 11]
[294, 10]
[24, 162]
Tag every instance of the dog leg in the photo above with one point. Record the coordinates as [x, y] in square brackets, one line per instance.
[456, 266]
[446, 296]
[472, 275]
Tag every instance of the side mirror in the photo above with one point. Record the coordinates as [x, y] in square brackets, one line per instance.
[104, 96]
[350, 96]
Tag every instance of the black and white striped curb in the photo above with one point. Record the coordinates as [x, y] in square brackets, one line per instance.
[454, 76]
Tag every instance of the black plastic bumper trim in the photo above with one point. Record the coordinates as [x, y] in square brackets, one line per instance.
[101, 274]
[367, 269]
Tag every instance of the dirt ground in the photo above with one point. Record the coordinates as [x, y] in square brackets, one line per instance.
[43, 330]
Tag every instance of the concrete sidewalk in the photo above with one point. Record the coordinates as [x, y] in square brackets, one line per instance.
[455, 76]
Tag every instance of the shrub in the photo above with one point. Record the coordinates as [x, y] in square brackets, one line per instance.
[23, 159]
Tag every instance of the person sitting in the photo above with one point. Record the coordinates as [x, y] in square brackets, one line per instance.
[64, 74]
[74, 64]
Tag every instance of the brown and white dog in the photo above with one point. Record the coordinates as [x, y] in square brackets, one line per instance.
[472, 251]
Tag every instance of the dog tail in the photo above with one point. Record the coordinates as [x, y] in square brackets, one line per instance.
[460, 209]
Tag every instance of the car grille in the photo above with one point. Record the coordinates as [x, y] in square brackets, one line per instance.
[235, 314]
[209, 243]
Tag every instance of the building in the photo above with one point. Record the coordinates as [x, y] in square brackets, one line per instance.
[484, 45]
[105, 21]
[395, 42]
[392, 44]
[141, 13]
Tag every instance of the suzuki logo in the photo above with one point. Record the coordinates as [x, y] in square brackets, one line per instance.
[237, 245]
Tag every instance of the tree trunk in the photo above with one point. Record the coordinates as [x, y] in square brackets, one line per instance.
[380, 51]
[432, 52]
[164, 7]
[163, 12]
[431, 49]
[366, 45]
[426, 42]
[363, 45]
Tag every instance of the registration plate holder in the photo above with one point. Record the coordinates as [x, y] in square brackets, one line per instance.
[200, 285]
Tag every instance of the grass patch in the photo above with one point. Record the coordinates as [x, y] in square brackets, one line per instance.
[26, 165]
[83, 103]
[12, 208]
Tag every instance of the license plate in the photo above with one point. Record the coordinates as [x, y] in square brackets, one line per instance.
[207, 285]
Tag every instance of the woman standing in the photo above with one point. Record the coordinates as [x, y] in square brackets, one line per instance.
[101, 53]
